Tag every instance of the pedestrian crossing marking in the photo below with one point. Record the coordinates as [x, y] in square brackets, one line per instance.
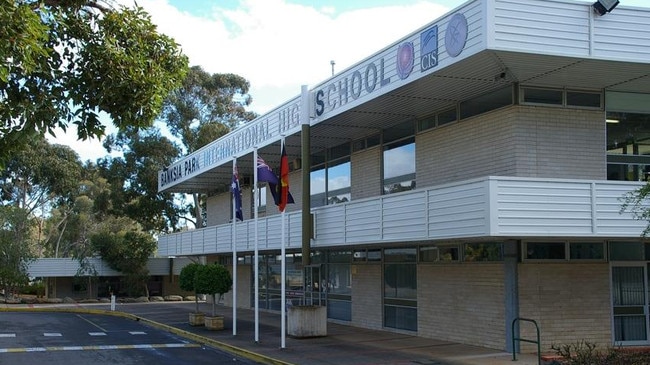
[95, 348]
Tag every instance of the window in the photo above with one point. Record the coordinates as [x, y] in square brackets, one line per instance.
[542, 96]
[485, 103]
[564, 251]
[484, 251]
[399, 158]
[560, 97]
[400, 288]
[628, 146]
[439, 253]
[330, 178]
[545, 251]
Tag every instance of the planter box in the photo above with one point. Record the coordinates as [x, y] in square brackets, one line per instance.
[307, 321]
[197, 319]
[214, 323]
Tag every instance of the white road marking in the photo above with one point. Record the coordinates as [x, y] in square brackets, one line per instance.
[97, 333]
[137, 333]
[7, 335]
[95, 348]
[52, 334]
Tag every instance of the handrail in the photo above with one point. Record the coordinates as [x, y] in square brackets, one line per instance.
[515, 338]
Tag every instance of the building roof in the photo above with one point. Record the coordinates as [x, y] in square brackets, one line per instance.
[477, 48]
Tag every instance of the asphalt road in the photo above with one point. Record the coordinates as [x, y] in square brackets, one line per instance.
[82, 339]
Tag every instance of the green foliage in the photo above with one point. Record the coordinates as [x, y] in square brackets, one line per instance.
[213, 279]
[586, 353]
[134, 179]
[126, 249]
[638, 204]
[41, 175]
[187, 280]
[66, 62]
[16, 247]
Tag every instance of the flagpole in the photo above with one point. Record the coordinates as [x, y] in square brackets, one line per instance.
[234, 255]
[283, 306]
[257, 263]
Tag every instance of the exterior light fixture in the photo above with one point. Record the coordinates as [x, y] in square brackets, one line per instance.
[603, 7]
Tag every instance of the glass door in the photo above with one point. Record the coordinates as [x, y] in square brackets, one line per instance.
[314, 288]
[630, 304]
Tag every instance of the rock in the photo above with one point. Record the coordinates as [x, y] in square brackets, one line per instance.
[142, 300]
[69, 300]
[156, 299]
[173, 298]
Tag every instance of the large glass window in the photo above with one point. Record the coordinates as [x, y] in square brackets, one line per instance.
[628, 146]
[399, 158]
[330, 176]
[400, 288]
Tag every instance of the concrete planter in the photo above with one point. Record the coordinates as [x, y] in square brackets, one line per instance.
[307, 321]
[197, 319]
[214, 323]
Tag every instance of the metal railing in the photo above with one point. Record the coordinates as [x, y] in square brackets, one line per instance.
[516, 338]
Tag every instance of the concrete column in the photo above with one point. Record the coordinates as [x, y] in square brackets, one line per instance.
[511, 289]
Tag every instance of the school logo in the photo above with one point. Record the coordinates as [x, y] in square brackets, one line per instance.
[405, 59]
[429, 48]
[456, 35]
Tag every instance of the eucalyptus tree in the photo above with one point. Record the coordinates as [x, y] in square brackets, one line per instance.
[133, 179]
[17, 248]
[205, 107]
[65, 62]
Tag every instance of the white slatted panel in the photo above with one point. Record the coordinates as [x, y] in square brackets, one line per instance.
[487, 207]
[532, 208]
[544, 26]
[458, 211]
[623, 34]
[330, 225]
[404, 216]
[609, 218]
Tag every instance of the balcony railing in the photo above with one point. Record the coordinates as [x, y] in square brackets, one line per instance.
[499, 207]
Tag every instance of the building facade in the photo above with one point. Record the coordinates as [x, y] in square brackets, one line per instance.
[470, 174]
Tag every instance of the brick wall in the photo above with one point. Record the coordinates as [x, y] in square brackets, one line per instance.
[515, 141]
[366, 296]
[462, 303]
[570, 302]
[365, 173]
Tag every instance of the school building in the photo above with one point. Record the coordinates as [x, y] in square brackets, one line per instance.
[467, 175]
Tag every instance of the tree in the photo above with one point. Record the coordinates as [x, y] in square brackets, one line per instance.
[64, 62]
[636, 202]
[213, 279]
[187, 280]
[16, 248]
[126, 248]
[134, 179]
[203, 109]
[39, 179]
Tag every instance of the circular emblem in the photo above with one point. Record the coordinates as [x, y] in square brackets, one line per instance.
[456, 34]
[405, 59]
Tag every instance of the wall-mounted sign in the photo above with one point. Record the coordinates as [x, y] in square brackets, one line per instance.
[429, 48]
[456, 34]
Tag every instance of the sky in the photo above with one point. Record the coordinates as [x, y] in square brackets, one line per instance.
[279, 45]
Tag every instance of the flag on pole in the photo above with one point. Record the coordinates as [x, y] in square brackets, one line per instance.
[236, 193]
[284, 179]
[265, 174]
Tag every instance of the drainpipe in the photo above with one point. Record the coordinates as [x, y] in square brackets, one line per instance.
[305, 143]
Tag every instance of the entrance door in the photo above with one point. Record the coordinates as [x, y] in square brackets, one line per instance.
[630, 304]
[314, 290]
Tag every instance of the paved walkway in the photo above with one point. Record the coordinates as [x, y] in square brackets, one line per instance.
[343, 345]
